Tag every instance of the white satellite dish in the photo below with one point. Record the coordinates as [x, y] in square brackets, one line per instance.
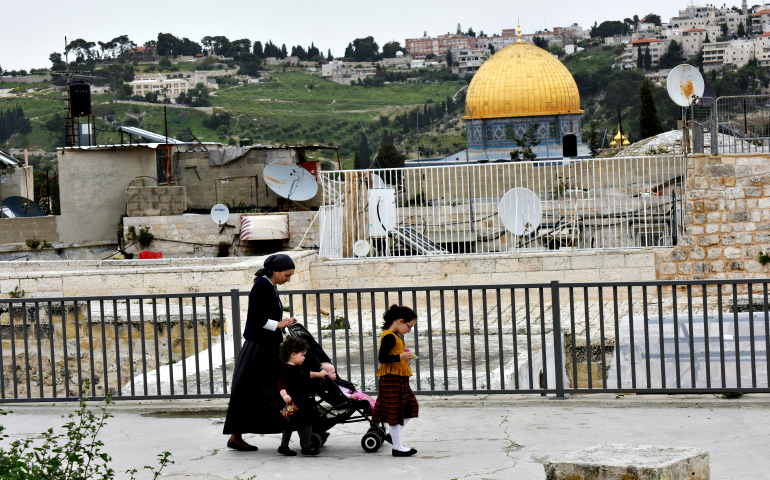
[684, 85]
[361, 248]
[290, 181]
[377, 181]
[220, 214]
[520, 211]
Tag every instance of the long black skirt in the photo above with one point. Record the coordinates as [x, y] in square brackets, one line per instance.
[255, 405]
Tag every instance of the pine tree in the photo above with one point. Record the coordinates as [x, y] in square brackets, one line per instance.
[357, 162]
[363, 153]
[594, 142]
[741, 30]
[649, 123]
[329, 57]
[639, 57]
[284, 52]
[647, 59]
[258, 51]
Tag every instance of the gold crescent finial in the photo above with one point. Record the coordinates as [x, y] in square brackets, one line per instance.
[519, 30]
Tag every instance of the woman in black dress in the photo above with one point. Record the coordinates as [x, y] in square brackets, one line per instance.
[255, 404]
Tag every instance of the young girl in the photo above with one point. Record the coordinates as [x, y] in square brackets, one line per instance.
[396, 404]
[347, 389]
[294, 384]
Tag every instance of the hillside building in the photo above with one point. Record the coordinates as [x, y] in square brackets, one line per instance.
[438, 46]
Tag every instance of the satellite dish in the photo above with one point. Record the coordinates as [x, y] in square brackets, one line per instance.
[220, 214]
[15, 207]
[520, 211]
[361, 248]
[684, 85]
[290, 181]
[377, 181]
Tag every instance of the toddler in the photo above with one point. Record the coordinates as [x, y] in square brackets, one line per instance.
[347, 388]
[294, 385]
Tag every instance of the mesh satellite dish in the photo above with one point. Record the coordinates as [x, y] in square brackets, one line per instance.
[684, 85]
[361, 248]
[520, 211]
[18, 207]
[290, 181]
[220, 214]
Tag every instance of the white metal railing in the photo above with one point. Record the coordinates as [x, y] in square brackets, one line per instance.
[596, 203]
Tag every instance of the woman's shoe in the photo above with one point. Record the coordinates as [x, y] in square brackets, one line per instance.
[286, 451]
[399, 453]
[241, 448]
[310, 451]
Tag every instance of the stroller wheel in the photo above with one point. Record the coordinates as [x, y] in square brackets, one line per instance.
[371, 442]
[324, 437]
[316, 440]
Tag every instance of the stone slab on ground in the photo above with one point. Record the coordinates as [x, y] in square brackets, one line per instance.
[630, 462]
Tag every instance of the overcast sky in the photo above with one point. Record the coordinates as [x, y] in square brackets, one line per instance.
[33, 29]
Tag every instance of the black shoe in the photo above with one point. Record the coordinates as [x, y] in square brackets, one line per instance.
[241, 448]
[310, 451]
[286, 451]
[388, 439]
[399, 453]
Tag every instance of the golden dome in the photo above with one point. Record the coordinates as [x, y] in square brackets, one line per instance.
[522, 80]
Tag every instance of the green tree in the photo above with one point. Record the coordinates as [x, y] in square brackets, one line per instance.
[390, 49]
[540, 42]
[639, 57]
[329, 57]
[647, 59]
[55, 124]
[389, 157]
[364, 155]
[258, 50]
[649, 123]
[365, 50]
[725, 29]
[594, 141]
[741, 30]
[449, 59]
[707, 39]
[652, 18]
[672, 57]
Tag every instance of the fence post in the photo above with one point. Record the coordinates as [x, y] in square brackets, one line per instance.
[714, 131]
[674, 226]
[235, 304]
[558, 352]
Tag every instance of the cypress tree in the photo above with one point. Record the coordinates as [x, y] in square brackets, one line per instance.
[649, 123]
[647, 59]
[639, 57]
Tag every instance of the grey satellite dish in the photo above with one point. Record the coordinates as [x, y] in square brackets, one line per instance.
[18, 207]
[361, 248]
[684, 85]
[290, 181]
[520, 211]
[220, 213]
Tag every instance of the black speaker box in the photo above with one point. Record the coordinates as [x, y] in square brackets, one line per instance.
[569, 144]
[80, 98]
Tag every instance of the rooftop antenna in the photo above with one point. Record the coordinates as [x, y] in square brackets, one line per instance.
[368, 142]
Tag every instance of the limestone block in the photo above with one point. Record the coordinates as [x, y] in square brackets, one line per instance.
[545, 276]
[641, 259]
[347, 271]
[531, 264]
[639, 462]
[455, 266]
[49, 284]
[667, 268]
[510, 264]
[8, 285]
[560, 262]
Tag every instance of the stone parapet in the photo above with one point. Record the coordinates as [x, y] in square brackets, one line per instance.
[19, 230]
[155, 201]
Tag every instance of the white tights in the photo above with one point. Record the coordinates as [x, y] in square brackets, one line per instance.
[395, 435]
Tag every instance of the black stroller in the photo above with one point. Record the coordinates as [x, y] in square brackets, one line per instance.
[332, 406]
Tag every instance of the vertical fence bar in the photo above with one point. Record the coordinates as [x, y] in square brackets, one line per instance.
[430, 339]
[155, 334]
[691, 335]
[459, 348]
[617, 334]
[196, 347]
[500, 338]
[25, 331]
[361, 356]
[416, 341]
[543, 349]
[473, 337]
[751, 336]
[222, 345]
[115, 326]
[486, 338]
[130, 345]
[236, 337]
[235, 305]
[558, 352]
[661, 338]
[631, 337]
[347, 334]
[589, 351]
[51, 337]
[104, 349]
[13, 352]
[170, 343]
[333, 324]
[736, 331]
[209, 344]
[721, 334]
[39, 338]
[602, 338]
[706, 336]
[529, 339]
[646, 317]
[676, 338]
[91, 348]
[767, 332]
[443, 339]
[144, 350]
[573, 337]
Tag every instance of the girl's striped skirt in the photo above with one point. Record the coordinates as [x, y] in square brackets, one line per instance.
[395, 401]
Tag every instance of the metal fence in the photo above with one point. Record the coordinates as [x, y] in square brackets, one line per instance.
[635, 337]
[586, 204]
[743, 123]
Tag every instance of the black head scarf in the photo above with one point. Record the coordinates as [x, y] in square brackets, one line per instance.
[275, 263]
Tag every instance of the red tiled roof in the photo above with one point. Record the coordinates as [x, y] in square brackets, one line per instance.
[761, 12]
[645, 40]
[199, 55]
[695, 30]
[764, 35]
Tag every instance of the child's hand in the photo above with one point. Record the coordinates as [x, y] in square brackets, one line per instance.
[406, 356]
[287, 399]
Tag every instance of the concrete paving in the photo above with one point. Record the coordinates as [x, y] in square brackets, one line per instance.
[479, 437]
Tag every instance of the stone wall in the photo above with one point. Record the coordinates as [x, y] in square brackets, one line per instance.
[154, 278]
[501, 268]
[153, 201]
[190, 235]
[727, 220]
[298, 225]
[18, 183]
[19, 230]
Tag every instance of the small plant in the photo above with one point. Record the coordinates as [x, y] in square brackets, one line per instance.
[45, 245]
[223, 249]
[17, 292]
[732, 395]
[144, 238]
[764, 258]
[339, 322]
[33, 243]
[79, 457]
[285, 309]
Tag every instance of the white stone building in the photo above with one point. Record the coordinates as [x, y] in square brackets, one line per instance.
[733, 54]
